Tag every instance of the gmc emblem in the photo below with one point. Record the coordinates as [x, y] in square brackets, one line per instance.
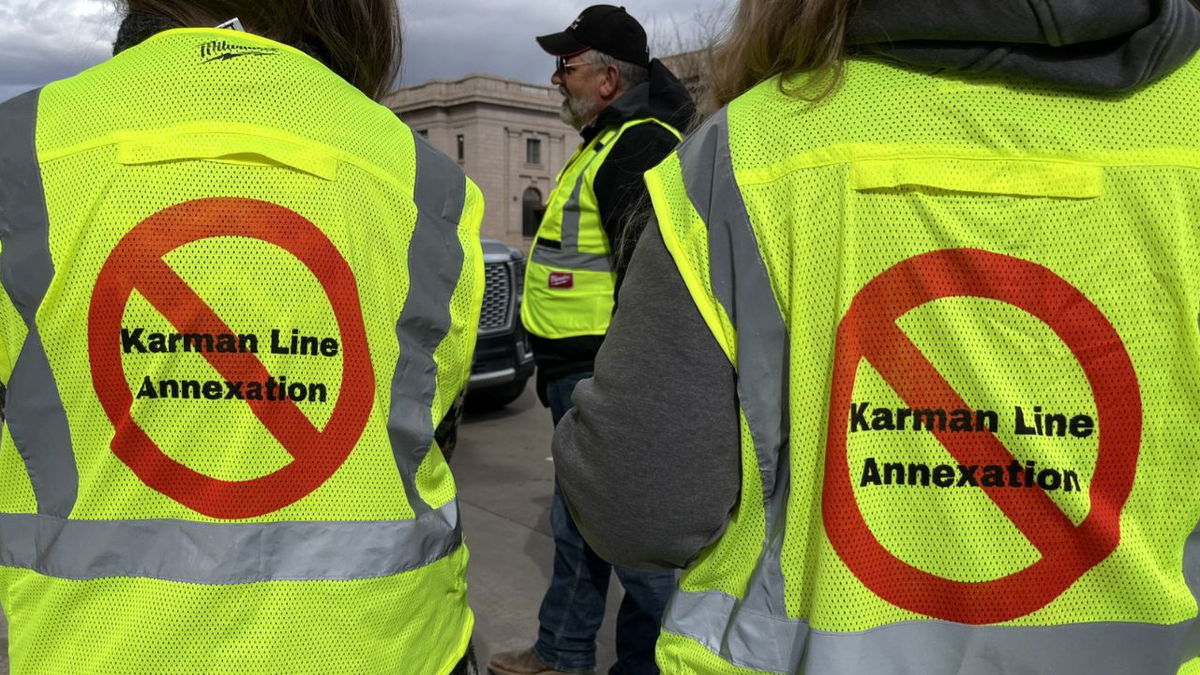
[562, 280]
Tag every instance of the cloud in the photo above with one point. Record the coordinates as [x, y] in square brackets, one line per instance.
[44, 40]
[449, 38]
[51, 39]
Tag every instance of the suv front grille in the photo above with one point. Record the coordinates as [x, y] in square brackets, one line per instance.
[497, 298]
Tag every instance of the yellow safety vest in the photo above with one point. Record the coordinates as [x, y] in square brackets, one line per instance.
[569, 280]
[963, 320]
[219, 453]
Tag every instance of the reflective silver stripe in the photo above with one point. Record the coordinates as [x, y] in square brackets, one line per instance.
[569, 257]
[758, 627]
[936, 647]
[572, 212]
[740, 281]
[756, 641]
[36, 418]
[756, 633]
[1191, 574]
[572, 260]
[435, 261]
[226, 553]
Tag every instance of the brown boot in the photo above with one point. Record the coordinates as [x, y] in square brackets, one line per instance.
[522, 662]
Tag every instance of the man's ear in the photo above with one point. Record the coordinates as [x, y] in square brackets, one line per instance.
[612, 82]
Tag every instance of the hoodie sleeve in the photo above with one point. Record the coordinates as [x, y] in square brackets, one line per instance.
[648, 458]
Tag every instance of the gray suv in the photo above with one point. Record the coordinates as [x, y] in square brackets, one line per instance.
[503, 356]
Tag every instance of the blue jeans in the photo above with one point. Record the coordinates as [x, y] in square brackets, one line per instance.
[573, 607]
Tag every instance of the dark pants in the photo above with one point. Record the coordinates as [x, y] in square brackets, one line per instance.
[573, 607]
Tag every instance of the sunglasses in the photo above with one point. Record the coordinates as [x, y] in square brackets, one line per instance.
[562, 67]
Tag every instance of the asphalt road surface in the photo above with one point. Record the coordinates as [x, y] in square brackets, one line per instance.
[505, 482]
[505, 479]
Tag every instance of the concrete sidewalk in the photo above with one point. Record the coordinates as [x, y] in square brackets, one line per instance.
[505, 482]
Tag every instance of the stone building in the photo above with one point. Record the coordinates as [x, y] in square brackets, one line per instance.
[506, 135]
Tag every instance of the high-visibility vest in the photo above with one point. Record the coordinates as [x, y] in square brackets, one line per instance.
[237, 295]
[963, 320]
[570, 278]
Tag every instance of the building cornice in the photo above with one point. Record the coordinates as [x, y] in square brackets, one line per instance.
[476, 88]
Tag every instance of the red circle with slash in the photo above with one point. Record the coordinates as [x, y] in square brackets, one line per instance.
[137, 263]
[869, 331]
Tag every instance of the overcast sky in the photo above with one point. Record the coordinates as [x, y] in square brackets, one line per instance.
[43, 40]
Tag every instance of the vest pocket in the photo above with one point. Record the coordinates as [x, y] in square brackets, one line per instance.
[999, 176]
[229, 147]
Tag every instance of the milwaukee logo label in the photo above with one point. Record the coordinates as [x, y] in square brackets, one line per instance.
[220, 50]
[562, 280]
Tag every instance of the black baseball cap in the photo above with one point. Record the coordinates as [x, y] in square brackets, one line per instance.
[605, 28]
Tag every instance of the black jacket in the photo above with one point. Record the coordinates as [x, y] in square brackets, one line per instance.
[621, 195]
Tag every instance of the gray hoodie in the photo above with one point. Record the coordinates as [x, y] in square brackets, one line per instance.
[1083, 45]
[649, 458]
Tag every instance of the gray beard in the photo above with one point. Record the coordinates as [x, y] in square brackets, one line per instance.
[576, 112]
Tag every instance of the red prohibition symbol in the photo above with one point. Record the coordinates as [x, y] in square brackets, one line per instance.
[137, 263]
[869, 331]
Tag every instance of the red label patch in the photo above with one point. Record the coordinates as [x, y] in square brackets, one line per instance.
[562, 280]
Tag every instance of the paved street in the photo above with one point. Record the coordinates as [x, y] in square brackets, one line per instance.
[505, 480]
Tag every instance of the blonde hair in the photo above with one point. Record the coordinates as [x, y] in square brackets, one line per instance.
[785, 38]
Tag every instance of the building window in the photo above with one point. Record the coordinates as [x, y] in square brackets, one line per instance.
[533, 151]
[532, 211]
[462, 147]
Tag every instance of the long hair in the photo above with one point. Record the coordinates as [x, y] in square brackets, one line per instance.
[785, 38]
[357, 39]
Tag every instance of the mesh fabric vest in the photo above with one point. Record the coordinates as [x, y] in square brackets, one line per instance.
[570, 278]
[963, 317]
[237, 295]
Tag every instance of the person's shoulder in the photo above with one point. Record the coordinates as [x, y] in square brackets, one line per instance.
[641, 146]
[20, 105]
[434, 168]
[18, 99]
[649, 129]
